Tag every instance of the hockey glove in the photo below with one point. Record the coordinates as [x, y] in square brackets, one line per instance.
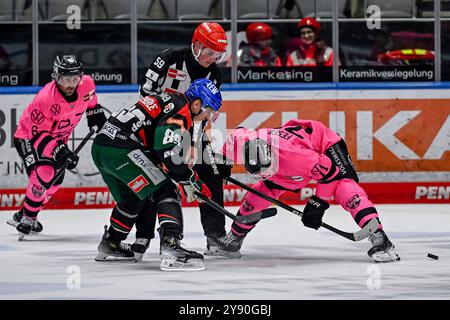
[313, 213]
[95, 118]
[27, 152]
[63, 154]
[192, 185]
[224, 170]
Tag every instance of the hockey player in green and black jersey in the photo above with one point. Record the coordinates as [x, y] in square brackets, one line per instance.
[173, 71]
[140, 154]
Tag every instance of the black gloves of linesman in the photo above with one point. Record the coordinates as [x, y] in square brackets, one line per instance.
[313, 213]
[95, 118]
[224, 170]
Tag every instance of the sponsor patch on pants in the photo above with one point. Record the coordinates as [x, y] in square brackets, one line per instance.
[150, 169]
[138, 184]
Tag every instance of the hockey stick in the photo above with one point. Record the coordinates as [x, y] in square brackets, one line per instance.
[251, 218]
[76, 171]
[77, 149]
[369, 229]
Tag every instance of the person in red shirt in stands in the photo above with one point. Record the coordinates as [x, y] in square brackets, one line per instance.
[258, 52]
[311, 50]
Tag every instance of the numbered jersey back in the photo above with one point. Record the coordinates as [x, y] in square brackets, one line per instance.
[137, 125]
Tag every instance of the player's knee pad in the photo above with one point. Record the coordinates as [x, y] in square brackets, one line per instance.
[169, 205]
[44, 175]
[169, 192]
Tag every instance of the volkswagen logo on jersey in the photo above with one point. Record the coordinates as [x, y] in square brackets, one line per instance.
[55, 109]
[37, 116]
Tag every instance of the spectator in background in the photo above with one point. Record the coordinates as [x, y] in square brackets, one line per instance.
[311, 50]
[257, 52]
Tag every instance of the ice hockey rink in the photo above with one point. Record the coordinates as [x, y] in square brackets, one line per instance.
[282, 260]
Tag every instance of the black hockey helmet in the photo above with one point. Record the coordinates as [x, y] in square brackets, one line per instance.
[66, 65]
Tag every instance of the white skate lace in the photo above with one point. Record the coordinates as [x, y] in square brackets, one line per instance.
[27, 220]
[228, 239]
[125, 246]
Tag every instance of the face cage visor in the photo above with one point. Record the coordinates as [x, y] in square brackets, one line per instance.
[209, 53]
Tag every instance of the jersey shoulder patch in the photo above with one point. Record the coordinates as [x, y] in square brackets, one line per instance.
[149, 103]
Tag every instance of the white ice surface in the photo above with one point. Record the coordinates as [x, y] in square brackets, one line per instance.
[281, 260]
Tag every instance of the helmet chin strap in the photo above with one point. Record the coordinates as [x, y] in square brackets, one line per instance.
[195, 55]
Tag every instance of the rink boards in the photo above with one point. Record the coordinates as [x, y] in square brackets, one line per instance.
[379, 193]
[398, 136]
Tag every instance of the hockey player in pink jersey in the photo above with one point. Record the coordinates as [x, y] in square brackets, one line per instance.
[288, 158]
[43, 131]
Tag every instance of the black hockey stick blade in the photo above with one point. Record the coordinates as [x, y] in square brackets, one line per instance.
[365, 232]
[256, 216]
[369, 229]
[251, 218]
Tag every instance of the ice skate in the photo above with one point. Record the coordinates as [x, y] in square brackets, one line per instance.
[226, 246]
[37, 227]
[113, 250]
[382, 248]
[175, 258]
[25, 226]
[139, 247]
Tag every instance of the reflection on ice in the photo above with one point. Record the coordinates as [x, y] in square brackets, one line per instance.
[281, 260]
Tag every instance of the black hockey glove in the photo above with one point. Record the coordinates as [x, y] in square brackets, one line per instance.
[27, 152]
[313, 213]
[63, 154]
[96, 118]
[224, 170]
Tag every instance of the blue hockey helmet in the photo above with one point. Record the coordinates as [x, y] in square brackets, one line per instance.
[205, 90]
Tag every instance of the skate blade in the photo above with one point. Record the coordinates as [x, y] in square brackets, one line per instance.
[219, 253]
[388, 256]
[22, 236]
[174, 265]
[12, 223]
[102, 257]
[138, 256]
